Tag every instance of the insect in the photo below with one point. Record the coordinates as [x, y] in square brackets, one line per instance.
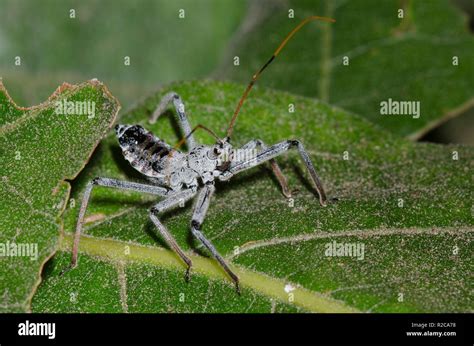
[179, 177]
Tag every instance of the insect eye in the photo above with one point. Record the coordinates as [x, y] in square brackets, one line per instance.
[216, 151]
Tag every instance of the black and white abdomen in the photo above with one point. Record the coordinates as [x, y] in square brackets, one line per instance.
[145, 152]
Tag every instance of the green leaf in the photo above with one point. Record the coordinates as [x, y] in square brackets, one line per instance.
[40, 150]
[408, 204]
[409, 59]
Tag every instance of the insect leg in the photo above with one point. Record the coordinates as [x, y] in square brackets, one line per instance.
[166, 204]
[200, 210]
[275, 167]
[270, 153]
[119, 184]
[183, 120]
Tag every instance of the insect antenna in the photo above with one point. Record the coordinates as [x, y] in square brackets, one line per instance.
[259, 72]
[199, 126]
[183, 140]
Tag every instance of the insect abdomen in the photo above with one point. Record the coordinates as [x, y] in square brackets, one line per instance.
[142, 149]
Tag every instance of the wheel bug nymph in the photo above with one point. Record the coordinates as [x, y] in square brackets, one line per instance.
[179, 176]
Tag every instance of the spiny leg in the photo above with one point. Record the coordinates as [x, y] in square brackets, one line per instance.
[272, 152]
[200, 210]
[170, 202]
[118, 184]
[275, 167]
[183, 120]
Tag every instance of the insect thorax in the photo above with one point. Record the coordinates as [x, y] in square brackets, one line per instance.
[204, 162]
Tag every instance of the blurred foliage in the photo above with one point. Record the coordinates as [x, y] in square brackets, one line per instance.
[162, 47]
[408, 59]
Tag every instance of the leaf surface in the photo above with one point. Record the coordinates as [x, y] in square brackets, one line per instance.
[408, 204]
[40, 150]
